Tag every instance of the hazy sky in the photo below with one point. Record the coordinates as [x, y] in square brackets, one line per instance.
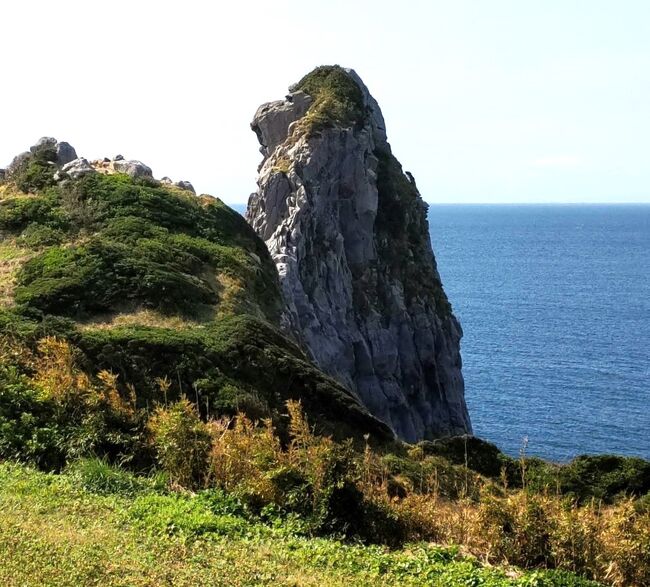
[484, 100]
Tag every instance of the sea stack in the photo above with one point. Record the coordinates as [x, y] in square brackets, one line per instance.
[348, 232]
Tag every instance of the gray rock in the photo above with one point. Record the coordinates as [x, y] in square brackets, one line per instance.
[132, 168]
[185, 185]
[65, 153]
[75, 169]
[44, 142]
[272, 120]
[362, 292]
[166, 181]
[16, 162]
[118, 158]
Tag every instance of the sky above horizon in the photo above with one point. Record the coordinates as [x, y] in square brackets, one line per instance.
[506, 101]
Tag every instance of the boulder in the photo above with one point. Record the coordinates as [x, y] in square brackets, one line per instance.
[44, 142]
[75, 169]
[133, 168]
[17, 162]
[185, 185]
[65, 153]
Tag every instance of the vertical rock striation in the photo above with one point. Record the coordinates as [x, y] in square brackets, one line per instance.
[349, 235]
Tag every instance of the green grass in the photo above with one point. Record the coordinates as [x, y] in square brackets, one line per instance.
[137, 243]
[53, 531]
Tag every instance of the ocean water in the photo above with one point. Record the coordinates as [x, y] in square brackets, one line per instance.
[555, 306]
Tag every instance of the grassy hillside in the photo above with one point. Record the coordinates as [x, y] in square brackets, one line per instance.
[170, 292]
[194, 443]
[96, 526]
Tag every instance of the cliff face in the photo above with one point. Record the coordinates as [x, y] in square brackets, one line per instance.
[348, 232]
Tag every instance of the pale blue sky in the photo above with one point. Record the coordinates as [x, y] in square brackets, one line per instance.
[485, 101]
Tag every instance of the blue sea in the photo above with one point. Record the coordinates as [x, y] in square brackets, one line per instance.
[554, 302]
[555, 306]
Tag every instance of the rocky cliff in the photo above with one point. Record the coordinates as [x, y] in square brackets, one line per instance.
[348, 232]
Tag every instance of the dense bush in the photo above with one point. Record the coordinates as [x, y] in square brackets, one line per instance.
[18, 213]
[52, 412]
[141, 245]
[102, 275]
[34, 171]
[41, 235]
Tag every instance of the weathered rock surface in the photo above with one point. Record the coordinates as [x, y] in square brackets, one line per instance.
[75, 169]
[65, 153]
[132, 168]
[348, 232]
[272, 121]
[185, 185]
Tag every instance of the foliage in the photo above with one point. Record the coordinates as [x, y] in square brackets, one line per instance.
[100, 275]
[338, 99]
[51, 411]
[99, 476]
[141, 243]
[236, 358]
[52, 532]
[313, 477]
[19, 212]
[182, 442]
[34, 171]
[41, 235]
[402, 233]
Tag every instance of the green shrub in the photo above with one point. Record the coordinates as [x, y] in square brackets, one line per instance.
[101, 275]
[605, 477]
[16, 214]
[402, 233]
[28, 431]
[34, 171]
[39, 235]
[182, 443]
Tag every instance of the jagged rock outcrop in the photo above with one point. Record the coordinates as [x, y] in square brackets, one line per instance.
[348, 232]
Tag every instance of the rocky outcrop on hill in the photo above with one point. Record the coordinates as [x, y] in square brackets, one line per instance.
[64, 164]
[348, 232]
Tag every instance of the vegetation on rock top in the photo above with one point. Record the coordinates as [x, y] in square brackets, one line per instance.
[338, 100]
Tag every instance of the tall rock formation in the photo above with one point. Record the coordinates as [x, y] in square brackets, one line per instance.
[348, 232]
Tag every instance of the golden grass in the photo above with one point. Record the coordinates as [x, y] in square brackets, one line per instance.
[230, 292]
[12, 256]
[141, 317]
